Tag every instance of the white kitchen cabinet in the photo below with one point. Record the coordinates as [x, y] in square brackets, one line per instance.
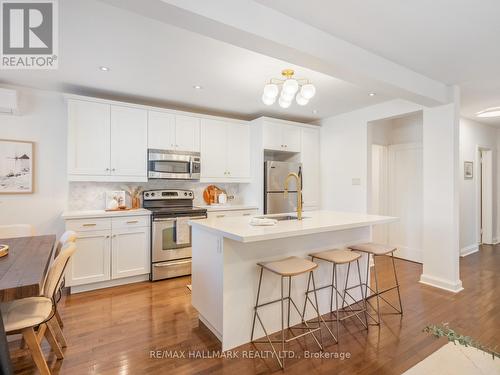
[161, 130]
[238, 150]
[109, 251]
[128, 255]
[310, 167]
[281, 137]
[106, 142]
[167, 131]
[88, 138]
[187, 133]
[91, 261]
[129, 137]
[225, 151]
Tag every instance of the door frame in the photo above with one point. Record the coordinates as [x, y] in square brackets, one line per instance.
[484, 195]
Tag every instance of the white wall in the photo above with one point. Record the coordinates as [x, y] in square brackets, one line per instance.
[344, 160]
[472, 135]
[43, 121]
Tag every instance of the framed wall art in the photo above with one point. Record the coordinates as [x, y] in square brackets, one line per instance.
[16, 166]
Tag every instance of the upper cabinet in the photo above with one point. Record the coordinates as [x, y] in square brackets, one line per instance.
[281, 137]
[167, 131]
[106, 142]
[309, 158]
[225, 151]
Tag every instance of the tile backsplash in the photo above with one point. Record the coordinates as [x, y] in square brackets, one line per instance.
[91, 195]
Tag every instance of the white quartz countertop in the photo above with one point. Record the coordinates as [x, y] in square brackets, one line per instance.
[239, 228]
[67, 215]
[228, 207]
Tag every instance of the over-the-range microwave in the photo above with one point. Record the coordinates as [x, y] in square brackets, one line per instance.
[174, 165]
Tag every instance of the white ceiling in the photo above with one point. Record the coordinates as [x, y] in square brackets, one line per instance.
[453, 41]
[157, 63]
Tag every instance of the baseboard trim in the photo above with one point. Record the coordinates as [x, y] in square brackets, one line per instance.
[440, 283]
[108, 284]
[468, 250]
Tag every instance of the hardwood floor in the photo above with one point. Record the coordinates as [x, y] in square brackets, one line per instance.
[112, 331]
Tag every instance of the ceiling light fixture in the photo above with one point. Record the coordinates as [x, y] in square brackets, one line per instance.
[489, 113]
[372, 94]
[103, 68]
[299, 88]
[197, 87]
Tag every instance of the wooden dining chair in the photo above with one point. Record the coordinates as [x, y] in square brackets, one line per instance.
[16, 230]
[25, 315]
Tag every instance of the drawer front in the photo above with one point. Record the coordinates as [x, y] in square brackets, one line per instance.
[166, 270]
[232, 213]
[85, 225]
[130, 222]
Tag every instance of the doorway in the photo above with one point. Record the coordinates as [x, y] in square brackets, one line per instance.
[485, 195]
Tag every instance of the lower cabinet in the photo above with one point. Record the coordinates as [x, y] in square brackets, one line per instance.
[114, 253]
[127, 256]
[232, 213]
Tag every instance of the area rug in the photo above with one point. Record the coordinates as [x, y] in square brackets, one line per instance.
[454, 359]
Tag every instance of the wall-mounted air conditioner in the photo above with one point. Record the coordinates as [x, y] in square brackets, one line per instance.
[8, 101]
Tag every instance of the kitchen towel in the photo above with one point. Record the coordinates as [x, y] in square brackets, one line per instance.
[182, 231]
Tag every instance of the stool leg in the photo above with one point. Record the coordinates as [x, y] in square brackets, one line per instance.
[317, 310]
[376, 288]
[333, 281]
[362, 294]
[289, 300]
[282, 326]
[256, 303]
[397, 284]
[336, 302]
[345, 285]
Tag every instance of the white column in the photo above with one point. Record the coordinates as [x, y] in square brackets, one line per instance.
[441, 173]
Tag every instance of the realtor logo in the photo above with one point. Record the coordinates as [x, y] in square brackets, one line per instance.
[29, 34]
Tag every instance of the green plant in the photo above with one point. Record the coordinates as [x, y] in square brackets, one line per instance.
[445, 331]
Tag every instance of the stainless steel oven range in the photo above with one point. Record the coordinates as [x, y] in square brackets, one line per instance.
[170, 232]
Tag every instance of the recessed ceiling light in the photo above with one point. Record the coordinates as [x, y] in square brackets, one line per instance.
[490, 112]
[315, 111]
[104, 68]
[372, 94]
[197, 87]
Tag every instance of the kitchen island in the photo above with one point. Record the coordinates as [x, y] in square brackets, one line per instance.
[225, 274]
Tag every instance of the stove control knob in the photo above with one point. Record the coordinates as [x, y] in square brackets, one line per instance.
[152, 194]
[185, 193]
[190, 194]
[147, 194]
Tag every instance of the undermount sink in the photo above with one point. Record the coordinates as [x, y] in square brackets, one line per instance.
[281, 217]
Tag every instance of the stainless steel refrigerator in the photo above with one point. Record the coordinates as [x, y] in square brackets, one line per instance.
[275, 173]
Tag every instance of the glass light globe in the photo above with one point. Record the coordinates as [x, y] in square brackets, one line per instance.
[271, 90]
[290, 86]
[308, 91]
[287, 96]
[284, 103]
[301, 100]
[268, 100]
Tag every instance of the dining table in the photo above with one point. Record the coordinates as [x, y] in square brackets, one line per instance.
[22, 273]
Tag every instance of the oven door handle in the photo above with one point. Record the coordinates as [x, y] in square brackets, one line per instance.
[176, 263]
[164, 220]
[191, 167]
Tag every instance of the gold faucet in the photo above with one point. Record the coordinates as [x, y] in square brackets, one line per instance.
[299, 192]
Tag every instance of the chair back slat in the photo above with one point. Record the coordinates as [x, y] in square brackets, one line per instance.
[68, 236]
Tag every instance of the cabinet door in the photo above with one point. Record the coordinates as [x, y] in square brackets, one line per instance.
[91, 261]
[187, 133]
[272, 135]
[161, 130]
[291, 138]
[238, 150]
[88, 138]
[213, 149]
[310, 167]
[130, 252]
[129, 135]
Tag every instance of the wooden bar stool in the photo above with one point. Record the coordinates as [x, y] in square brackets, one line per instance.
[287, 268]
[338, 257]
[377, 250]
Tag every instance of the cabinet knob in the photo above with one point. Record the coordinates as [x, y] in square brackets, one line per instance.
[107, 169]
[113, 169]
